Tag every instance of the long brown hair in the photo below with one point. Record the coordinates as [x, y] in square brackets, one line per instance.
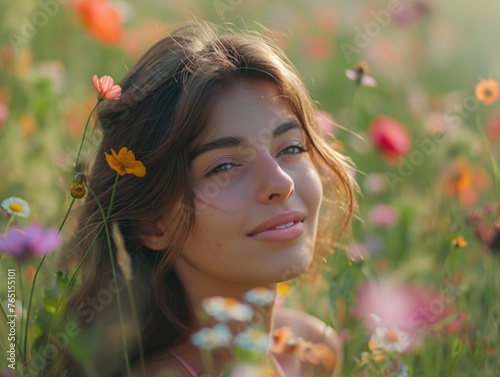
[165, 106]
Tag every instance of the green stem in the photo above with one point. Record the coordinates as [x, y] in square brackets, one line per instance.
[113, 268]
[34, 282]
[11, 218]
[352, 105]
[137, 328]
[84, 133]
[494, 167]
[73, 277]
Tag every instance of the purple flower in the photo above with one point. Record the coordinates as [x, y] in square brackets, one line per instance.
[32, 242]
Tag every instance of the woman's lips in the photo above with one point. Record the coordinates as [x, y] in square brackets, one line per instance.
[289, 233]
[283, 227]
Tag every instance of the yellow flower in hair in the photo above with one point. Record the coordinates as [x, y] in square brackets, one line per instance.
[124, 162]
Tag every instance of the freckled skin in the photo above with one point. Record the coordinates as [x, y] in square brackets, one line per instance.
[267, 183]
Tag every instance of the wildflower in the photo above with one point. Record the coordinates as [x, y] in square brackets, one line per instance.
[492, 127]
[106, 88]
[4, 112]
[487, 91]
[78, 191]
[459, 242]
[253, 339]
[458, 322]
[326, 124]
[210, 338]
[284, 342]
[383, 215]
[408, 308]
[317, 353]
[389, 137]
[390, 339]
[28, 125]
[283, 289]
[359, 75]
[29, 272]
[465, 181]
[318, 48]
[486, 230]
[260, 296]
[125, 163]
[16, 207]
[33, 242]
[227, 308]
[101, 19]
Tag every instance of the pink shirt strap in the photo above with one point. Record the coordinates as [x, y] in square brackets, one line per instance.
[185, 364]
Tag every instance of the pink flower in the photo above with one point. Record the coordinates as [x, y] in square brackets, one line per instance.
[326, 124]
[389, 137]
[33, 242]
[106, 88]
[383, 215]
[4, 113]
[411, 309]
[319, 48]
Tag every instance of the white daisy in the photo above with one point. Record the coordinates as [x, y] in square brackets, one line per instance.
[253, 339]
[260, 296]
[210, 338]
[391, 339]
[16, 207]
[227, 308]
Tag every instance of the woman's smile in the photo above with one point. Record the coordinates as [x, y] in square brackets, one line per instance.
[257, 191]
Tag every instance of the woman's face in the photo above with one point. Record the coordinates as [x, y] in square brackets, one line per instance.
[251, 174]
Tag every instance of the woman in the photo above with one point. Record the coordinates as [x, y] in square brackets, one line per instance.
[231, 200]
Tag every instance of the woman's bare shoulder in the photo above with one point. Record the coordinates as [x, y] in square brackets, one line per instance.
[317, 338]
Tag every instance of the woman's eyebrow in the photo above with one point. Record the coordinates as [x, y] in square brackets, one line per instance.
[233, 142]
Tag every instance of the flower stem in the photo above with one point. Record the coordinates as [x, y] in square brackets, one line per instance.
[34, 281]
[84, 133]
[494, 167]
[11, 218]
[113, 268]
[73, 277]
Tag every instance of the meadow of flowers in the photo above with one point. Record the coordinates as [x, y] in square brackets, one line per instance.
[407, 88]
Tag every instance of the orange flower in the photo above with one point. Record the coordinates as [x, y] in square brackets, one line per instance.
[318, 353]
[106, 88]
[465, 181]
[487, 91]
[459, 242]
[125, 163]
[101, 19]
[78, 190]
[280, 338]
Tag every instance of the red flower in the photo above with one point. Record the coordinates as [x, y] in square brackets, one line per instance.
[389, 137]
[101, 19]
[106, 88]
[493, 127]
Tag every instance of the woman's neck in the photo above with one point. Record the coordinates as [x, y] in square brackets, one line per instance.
[196, 292]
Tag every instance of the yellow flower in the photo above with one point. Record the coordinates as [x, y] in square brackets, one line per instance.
[125, 163]
[487, 91]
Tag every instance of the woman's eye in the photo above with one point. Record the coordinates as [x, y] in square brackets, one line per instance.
[225, 166]
[294, 149]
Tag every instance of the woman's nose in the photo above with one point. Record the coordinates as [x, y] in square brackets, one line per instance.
[272, 182]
